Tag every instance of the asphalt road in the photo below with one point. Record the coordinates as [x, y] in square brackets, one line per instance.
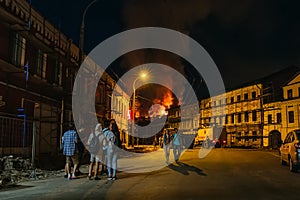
[222, 174]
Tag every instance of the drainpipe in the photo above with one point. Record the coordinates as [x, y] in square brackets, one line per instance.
[61, 120]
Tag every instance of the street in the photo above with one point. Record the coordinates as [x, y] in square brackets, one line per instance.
[223, 174]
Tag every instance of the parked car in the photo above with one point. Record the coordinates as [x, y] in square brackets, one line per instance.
[290, 150]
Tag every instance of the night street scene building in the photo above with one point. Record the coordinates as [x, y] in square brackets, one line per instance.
[39, 66]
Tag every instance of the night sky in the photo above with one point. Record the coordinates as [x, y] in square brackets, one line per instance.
[246, 39]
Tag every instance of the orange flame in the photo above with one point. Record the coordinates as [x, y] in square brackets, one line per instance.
[161, 105]
[168, 100]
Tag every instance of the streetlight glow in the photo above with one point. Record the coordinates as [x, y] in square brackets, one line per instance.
[143, 75]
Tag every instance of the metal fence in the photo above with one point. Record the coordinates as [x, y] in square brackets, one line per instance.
[13, 139]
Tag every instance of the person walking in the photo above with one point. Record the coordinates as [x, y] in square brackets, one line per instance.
[69, 141]
[167, 145]
[111, 151]
[94, 142]
[177, 141]
[80, 148]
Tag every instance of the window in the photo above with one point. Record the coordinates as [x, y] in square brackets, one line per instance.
[239, 117]
[41, 64]
[290, 94]
[291, 116]
[288, 138]
[239, 98]
[18, 50]
[246, 96]
[253, 95]
[246, 136]
[254, 115]
[246, 117]
[214, 120]
[232, 100]
[269, 119]
[57, 73]
[298, 91]
[239, 136]
[232, 118]
[278, 116]
[226, 119]
[254, 135]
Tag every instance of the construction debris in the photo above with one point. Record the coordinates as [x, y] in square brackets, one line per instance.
[15, 170]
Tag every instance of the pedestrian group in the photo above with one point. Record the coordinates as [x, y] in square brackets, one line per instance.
[173, 140]
[103, 144]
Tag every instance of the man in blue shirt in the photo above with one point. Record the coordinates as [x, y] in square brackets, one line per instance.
[69, 141]
[176, 145]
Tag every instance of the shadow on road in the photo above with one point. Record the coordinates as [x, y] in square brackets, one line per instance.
[185, 169]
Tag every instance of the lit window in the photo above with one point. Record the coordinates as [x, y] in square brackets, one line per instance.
[246, 117]
[239, 117]
[232, 118]
[290, 94]
[254, 115]
[291, 116]
[269, 119]
[232, 100]
[279, 120]
[18, 50]
[41, 64]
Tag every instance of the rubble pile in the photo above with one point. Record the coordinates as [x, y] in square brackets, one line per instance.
[15, 170]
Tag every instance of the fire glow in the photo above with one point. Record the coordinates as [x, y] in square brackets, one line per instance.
[160, 105]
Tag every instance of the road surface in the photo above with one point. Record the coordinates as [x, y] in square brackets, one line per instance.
[222, 174]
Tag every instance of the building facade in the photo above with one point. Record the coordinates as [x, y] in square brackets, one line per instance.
[38, 66]
[238, 112]
[283, 116]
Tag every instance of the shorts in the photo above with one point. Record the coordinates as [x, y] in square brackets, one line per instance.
[94, 158]
[72, 159]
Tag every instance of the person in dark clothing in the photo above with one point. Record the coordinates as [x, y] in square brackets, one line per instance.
[80, 148]
[116, 131]
[167, 145]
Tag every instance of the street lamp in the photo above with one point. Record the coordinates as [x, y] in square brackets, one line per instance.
[81, 45]
[142, 76]
[82, 30]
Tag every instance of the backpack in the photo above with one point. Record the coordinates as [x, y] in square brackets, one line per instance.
[94, 144]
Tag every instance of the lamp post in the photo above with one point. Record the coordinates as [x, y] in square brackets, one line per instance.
[82, 30]
[81, 50]
[143, 75]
